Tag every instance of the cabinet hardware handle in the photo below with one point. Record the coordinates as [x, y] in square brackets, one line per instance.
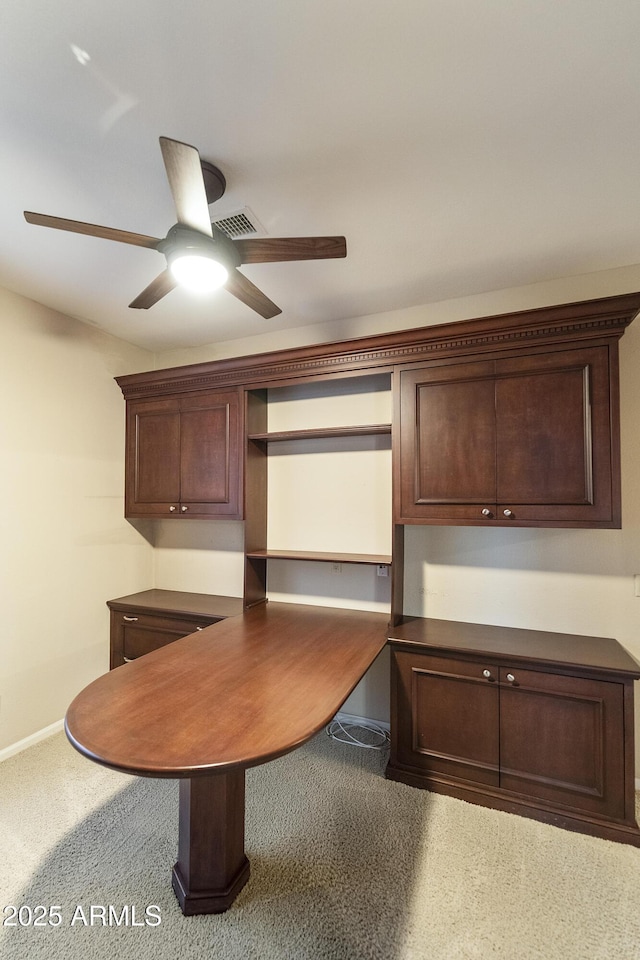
[486, 512]
[184, 509]
[487, 674]
[199, 628]
[131, 619]
[172, 509]
[510, 677]
[508, 513]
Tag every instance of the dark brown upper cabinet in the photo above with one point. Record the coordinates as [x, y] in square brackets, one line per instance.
[183, 456]
[511, 419]
[511, 440]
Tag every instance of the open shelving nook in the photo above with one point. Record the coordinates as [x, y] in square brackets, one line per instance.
[282, 482]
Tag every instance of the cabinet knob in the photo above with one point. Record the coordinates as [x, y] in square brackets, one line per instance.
[510, 678]
[487, 674]
[508, 513]
[199, 628]
[486, 512]
[130, 619]
[184, 509]
[172, 509]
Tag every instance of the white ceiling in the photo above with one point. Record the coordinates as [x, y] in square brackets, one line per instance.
[459, 146]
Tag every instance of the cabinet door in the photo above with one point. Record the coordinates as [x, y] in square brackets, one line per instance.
[445, 718]
[562, 741]
[152, 482]
[447, 443]
[553, 437]
[210, 455]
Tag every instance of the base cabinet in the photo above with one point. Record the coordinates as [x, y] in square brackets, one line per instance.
[547, 738]
[143, 622]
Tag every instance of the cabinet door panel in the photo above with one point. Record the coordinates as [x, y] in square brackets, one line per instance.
[153, 458]
[447, 718]
[561, 740]
[205, 455]
[544, 438]
[210, 455]
[448, 441]
[556, 440]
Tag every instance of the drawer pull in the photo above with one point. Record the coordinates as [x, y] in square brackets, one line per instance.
[487, 674]
[508, 513]
[184, 509]
[511, 678]
[486, 512]
[199, 628]
[172, 509]
[130, 619]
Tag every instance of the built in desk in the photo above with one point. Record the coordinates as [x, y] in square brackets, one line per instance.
[205, 707]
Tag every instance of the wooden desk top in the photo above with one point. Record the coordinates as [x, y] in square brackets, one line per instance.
[239, 693]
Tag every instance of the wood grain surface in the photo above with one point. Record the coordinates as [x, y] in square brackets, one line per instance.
[239, 693]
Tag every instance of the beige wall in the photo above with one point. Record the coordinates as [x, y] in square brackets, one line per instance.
[65, 547]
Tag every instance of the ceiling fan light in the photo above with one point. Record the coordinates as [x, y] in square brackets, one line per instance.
[198, 273]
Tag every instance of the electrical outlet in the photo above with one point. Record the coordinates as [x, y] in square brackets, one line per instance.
[336, 568]
[382, 570]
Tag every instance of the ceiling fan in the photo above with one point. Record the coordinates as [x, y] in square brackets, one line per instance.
[198, 253]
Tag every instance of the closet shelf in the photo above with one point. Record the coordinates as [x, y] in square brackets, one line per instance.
[319, 433]
[369, 558]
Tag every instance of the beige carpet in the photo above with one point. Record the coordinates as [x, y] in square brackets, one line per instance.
[345, 866]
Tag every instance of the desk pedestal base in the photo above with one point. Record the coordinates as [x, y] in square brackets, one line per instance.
[212, 867]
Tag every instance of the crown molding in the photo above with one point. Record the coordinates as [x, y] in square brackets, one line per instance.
[586, 320]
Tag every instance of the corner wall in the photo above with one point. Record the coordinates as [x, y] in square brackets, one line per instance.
[66, 547]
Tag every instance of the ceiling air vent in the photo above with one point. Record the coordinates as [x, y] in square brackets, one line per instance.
[240, 223]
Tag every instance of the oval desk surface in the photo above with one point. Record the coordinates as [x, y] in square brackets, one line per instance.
[239, 693]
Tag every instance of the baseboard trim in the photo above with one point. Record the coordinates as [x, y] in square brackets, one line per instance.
[31, 740]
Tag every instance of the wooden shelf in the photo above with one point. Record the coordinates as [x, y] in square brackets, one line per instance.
[374, 559]
[320, 433]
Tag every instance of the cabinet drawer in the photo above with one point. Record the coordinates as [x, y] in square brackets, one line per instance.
[135, 634]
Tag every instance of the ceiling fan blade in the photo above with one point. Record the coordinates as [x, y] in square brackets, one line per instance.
[157, 289]
[272, 249]
[184, 172]
[244, 290]
[91, 230]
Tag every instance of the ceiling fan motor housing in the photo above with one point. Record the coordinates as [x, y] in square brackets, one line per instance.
[181, 240]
